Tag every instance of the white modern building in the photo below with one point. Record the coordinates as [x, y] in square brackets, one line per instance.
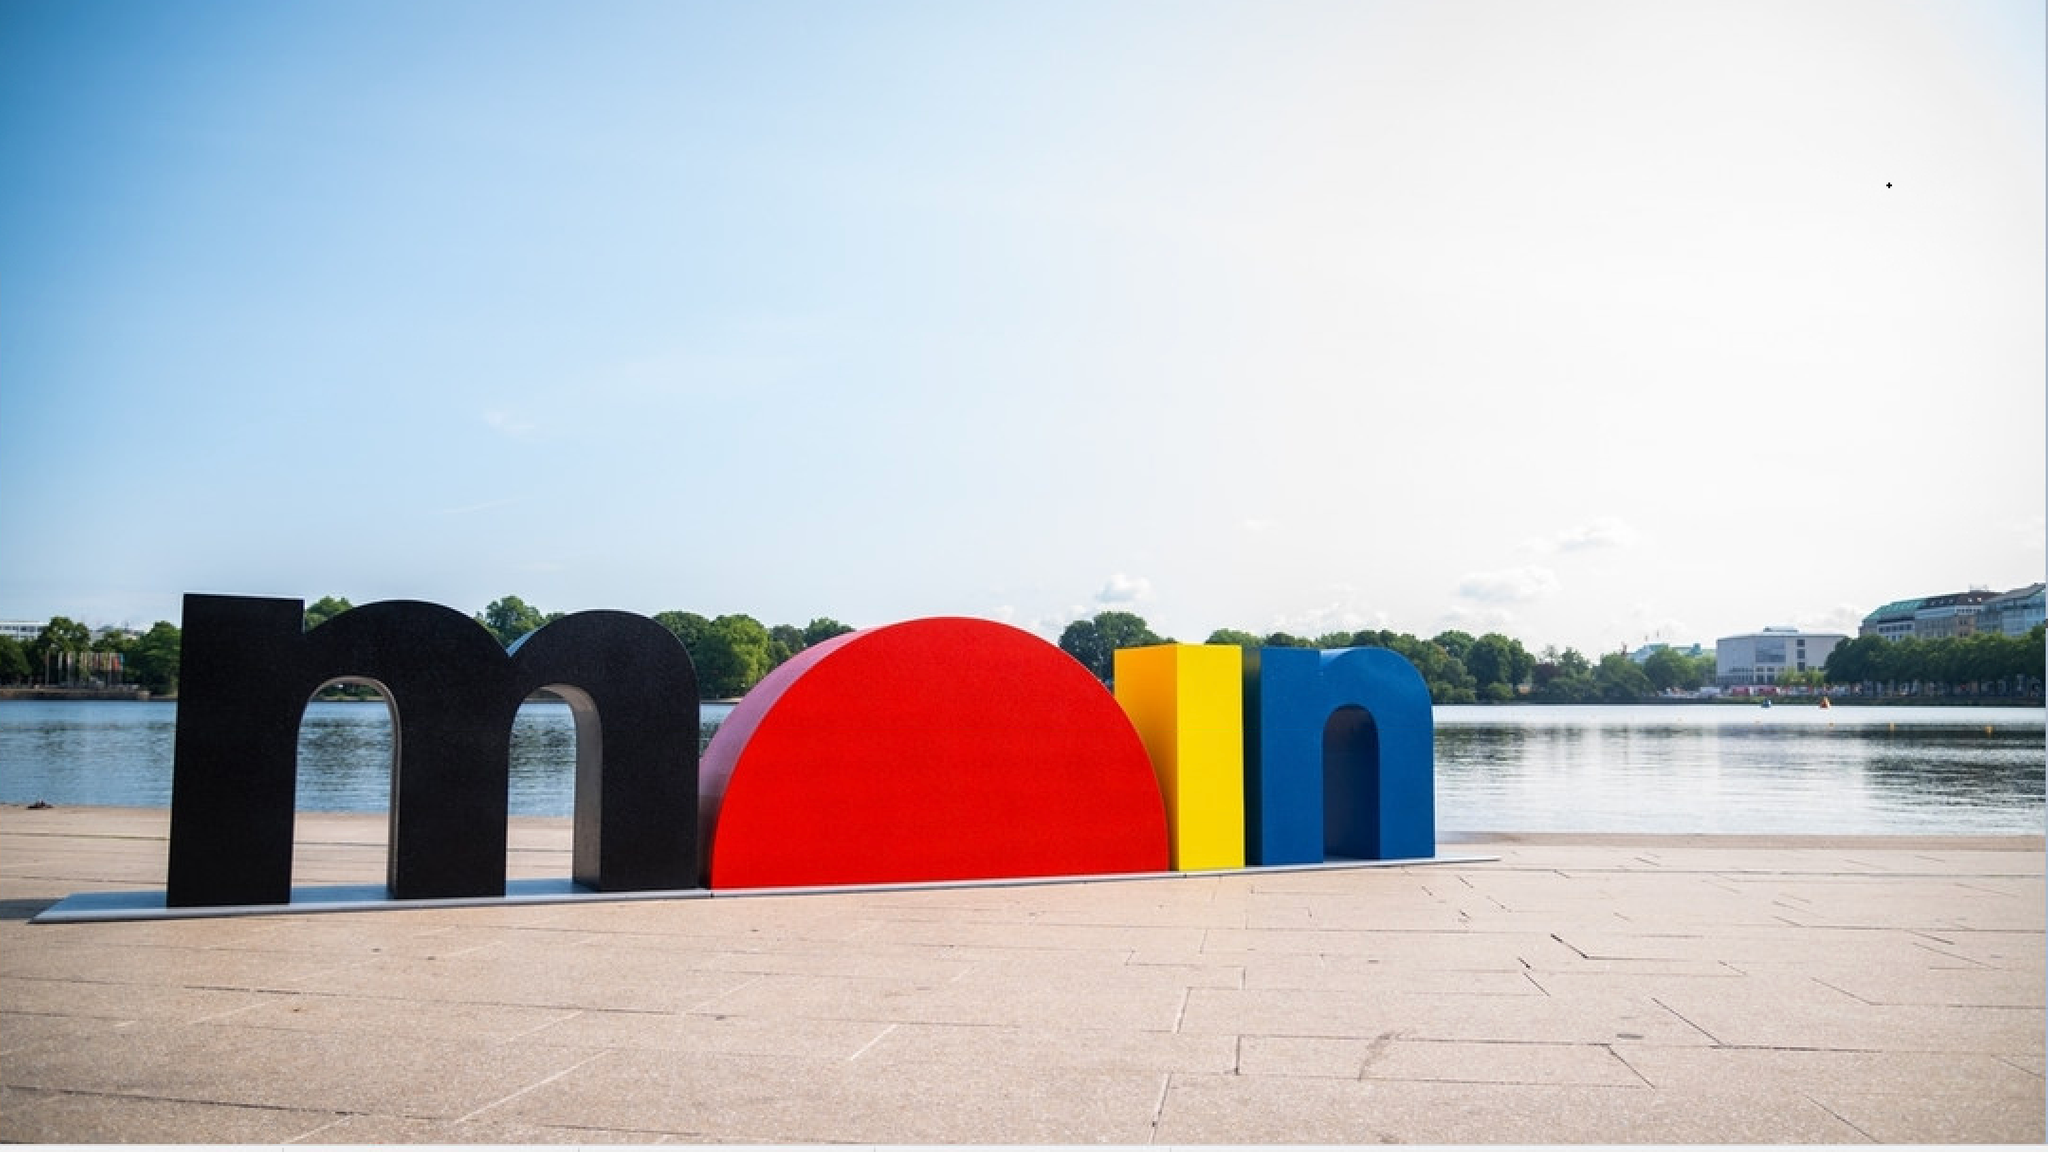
[1761, 657]
[22, 630]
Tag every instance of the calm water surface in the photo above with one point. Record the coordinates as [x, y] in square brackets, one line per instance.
[1723, 768]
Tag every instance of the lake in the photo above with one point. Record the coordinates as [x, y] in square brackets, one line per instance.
[1649, 768]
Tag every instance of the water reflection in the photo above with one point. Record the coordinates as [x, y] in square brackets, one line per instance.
[345, 757]
[1731, 769]
[1708, 769]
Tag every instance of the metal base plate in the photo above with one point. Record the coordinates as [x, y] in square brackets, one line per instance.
[89, 907]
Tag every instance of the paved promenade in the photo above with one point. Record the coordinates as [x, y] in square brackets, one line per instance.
[1578, 989]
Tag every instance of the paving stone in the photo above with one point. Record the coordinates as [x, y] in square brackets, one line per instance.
[389, 1130]
[91, 1118]
[1326, 973]
[1458, 951]
[396, 1018]
[94, 1004]
[1912, 1118]
[1962, 987]
[706, 1032]
[284, 1069]
[1512, 1019]
[1030, 1049]
[1275, 1109]
[1605, 989]
[1390, 1057]
[1852, 1025]
[1815, 1071]
[761, 1099]
[535, 972]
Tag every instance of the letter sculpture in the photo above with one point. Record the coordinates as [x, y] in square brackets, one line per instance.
[939, 749]
[1339, 755]
[249, 667]
[1285, 755]
[933, 750]
[1187, 702]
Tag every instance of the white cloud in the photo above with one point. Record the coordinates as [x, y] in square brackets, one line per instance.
[1508, 585]
[1647, 626]
[1123, 589]
[1479, 620]
[1337, 616]
[1604, 532]
[1843, 618]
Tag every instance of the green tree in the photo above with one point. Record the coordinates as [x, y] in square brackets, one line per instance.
[510, 618]
[1233, 636]
[1498, 665]
[1801, 678]
[734, 656]
[54, 652]
[694, 632]
[1902, 665]
[1449, 682]
[1454, 642]
[1083, 641]
[1125, 630]
[688, 627]
[153, 659]
[784, 641]
[324, 609]
[13, 661]
[1095, 642]
[1856, 662]
[1669, 668]
[1620, 680]
[2028, 666]
[822, 629]
[1563, 677]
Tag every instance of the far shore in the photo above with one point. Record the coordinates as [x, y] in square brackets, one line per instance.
[138, 695]
[128, 821]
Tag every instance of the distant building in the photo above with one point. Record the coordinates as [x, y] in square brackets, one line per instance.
[1955, 614]
[1762, 657]
[1642, 655]
[1894, 621]
[2013, 614]
[1932, 617]
[22, 630]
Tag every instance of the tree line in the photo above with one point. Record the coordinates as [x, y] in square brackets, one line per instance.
[1981, 664]
[1463, 669]
[66, 653]
[1459, 668]
[732, 653]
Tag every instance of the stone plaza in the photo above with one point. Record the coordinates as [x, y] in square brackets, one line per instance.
[1542, 989]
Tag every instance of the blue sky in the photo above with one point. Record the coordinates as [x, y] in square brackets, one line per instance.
[1588, 322]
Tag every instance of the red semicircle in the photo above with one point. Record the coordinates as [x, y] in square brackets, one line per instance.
[932, 750]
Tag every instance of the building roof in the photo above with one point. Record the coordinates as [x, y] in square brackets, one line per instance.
[1896, 610]
[1781, 632]
[2030, 592]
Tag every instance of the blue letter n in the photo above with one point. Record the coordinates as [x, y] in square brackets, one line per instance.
[1339, 757]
